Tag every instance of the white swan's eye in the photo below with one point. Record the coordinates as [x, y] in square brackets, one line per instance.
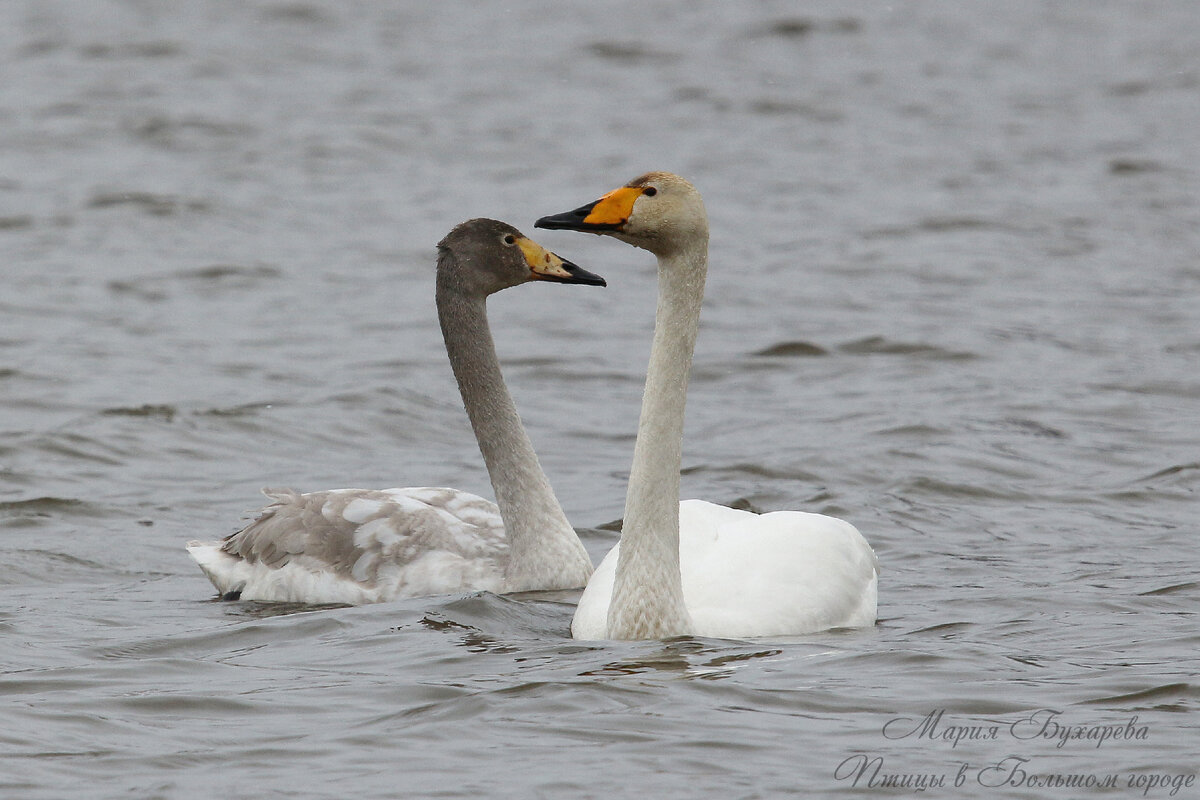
[508, 239]
[649, 191]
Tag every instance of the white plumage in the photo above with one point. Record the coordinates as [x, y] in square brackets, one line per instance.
[750, 575]
[695, 568]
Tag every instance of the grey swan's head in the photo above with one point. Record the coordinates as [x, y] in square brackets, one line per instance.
[483, 256]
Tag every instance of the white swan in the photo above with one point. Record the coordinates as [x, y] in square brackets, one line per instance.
[364, 546]
[694, 568]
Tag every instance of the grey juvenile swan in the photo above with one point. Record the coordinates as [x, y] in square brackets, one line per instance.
[695, 568]
[364, 546]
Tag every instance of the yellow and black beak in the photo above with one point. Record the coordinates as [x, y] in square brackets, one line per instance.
[546, 266]
[609, 213]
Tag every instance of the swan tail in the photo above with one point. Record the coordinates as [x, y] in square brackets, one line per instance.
[223, 570]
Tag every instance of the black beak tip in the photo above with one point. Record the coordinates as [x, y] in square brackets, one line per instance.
[567, 221]
[558, 222]
[582, 276]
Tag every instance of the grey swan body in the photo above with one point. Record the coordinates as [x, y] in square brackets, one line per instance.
[362, 546]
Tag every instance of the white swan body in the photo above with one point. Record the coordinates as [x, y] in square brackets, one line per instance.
[365, 546]
[747, 575]
[696, 568]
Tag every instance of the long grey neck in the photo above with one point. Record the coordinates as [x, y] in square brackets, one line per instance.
[647, 601]
[541, 540]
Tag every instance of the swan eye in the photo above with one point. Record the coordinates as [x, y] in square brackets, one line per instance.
[508, 239]
[649, 191]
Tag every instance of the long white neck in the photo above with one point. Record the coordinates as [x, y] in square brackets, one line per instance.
[541, 541]
[647, 600]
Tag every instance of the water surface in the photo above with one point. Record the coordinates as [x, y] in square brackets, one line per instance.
[953, 299]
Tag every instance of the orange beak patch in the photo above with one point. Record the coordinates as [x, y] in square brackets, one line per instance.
[613, 208]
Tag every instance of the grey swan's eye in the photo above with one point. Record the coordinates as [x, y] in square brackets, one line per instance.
[508, 239]
[649, 191]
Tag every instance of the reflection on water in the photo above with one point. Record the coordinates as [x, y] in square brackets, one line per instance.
[687, 657]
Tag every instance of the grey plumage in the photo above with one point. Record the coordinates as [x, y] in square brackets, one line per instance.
[364, 545]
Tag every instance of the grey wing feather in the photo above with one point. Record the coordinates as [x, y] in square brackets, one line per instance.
[357, 532]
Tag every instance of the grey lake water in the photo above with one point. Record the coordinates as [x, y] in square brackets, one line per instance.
[954, 298]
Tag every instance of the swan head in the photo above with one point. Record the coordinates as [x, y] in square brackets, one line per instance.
[659, 211]
[485, 256]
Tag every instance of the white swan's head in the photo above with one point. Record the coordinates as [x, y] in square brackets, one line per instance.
[484, 256]
[660, 212]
